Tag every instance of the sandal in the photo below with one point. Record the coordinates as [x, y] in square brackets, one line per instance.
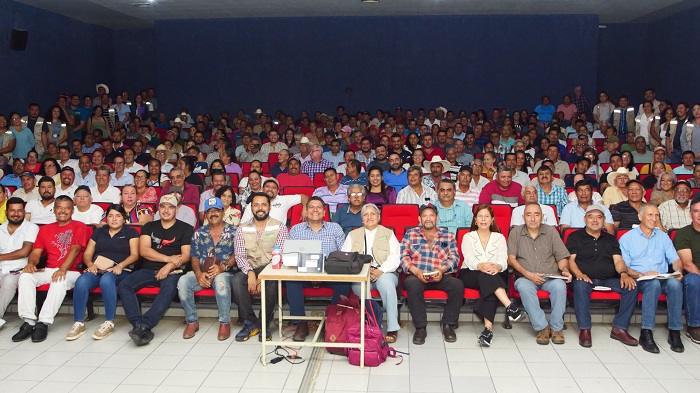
[391, 337]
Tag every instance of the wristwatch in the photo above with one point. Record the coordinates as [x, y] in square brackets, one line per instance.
[624, 272]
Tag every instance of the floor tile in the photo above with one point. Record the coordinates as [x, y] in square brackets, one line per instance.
[472, 384]
[556, 385]
[257, 380]
[143, 376]
[469, 369]
[514, 385]
[388, 383]
[70, 374]
[588, 370]
[633, 385]
[189, 378]
[17, 386]
[84, 387]
[505, 369]
[597, 385]
[32, 373]
[424, 383]
[53, 387]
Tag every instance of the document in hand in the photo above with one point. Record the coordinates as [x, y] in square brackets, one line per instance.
[664, 276]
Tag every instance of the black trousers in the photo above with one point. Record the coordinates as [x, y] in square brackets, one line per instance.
[241, 297]
[416, 300]
[486, 284]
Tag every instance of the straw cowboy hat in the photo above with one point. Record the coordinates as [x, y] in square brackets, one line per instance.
[102, 85]
[620, 171]
[161, 147]
[436, 159]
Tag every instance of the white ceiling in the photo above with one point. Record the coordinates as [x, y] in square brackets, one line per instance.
[120, 14]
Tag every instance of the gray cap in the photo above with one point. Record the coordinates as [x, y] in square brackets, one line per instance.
[595, 207]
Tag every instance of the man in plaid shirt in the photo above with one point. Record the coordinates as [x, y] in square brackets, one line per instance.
[429, 257]
[548, 193]
[317, 164]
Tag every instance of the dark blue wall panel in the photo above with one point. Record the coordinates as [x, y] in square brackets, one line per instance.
[624, 61]
[134, 60]
[62, 55]
[675, 47]
[307, 63]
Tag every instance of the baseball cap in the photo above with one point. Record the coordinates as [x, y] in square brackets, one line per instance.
[168, 198]
[67, 168]
[428, 206]
[213, 203]
[26, 173]
[594, 207]
[269, 179]
[612, 139]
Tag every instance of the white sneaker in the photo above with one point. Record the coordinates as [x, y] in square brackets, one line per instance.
[104, 330]
[2, 322]
[77, 330]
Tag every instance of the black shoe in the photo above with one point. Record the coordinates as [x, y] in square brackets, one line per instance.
[268, 335]
[419, 336]
[448, 333]
[146, 337]
[646, 340]
[25, 331]
[41, 330]
[514, 313]
[485, 338]
[674, 338]
[136, 333]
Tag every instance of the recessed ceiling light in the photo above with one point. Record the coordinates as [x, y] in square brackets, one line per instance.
[141, 4]
[370, 1]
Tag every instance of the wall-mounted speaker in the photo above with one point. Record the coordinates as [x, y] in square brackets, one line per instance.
[18, 39]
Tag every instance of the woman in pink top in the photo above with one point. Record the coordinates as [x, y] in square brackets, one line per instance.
[567, 108]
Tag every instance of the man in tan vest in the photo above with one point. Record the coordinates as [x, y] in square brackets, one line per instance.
[379, 242]
[254, 242]
[623, 117]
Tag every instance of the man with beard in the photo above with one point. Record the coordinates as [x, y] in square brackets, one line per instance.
[164, 247]
[40, 211]
[395, 176]
[64, 242]
[17, 237]
[67, 186]
[212, 240]
[254, 242]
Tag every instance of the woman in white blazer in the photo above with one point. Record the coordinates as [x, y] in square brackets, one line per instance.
[485, 257]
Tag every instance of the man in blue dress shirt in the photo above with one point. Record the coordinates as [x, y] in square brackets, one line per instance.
[647, 252]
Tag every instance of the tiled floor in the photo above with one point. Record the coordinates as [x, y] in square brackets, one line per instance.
[515, 363]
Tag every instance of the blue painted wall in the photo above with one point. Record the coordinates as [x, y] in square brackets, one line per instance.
[307, 63]
[134, 60]
[624, 61]
[62, 54]
[675, 44]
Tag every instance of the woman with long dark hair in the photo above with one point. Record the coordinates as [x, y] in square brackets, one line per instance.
[377, 191]
[108, 257]
[485, 258]
[54, 127]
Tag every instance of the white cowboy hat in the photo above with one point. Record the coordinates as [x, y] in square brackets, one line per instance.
[620, 171]
[436, 159]
[102, 85]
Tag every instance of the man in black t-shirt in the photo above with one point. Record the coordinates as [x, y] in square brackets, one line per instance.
[596, 260]
[164, 247]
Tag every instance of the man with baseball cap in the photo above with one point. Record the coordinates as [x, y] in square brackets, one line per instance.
[596, 260]
[67, 185]
[214, 240]
[29, 190]
[164, 246]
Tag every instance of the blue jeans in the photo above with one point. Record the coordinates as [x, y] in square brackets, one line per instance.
[582, 302]
[295, 294]
[651, 290]
[676, 157]
[187, 285]
[147, 278]
[557, 295]
[108, 285]
[386, 285]
[691, 282]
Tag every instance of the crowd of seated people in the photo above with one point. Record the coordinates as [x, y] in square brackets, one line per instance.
[120, 197]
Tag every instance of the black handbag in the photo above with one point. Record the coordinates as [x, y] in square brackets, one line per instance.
[340, 262]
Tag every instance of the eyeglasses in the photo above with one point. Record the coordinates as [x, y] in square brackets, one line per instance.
[118, 163]
[355, 194]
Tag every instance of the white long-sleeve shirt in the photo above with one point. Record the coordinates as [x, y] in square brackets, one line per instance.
[474, 253]
[392, 261]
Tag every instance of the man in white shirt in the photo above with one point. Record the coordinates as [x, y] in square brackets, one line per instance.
[103, 191]
[29, 189]
[40, 211]
[549, 217]
[279, 204]
[120, 177]
[131, 166]
[85, 211]
[85, 176]
[17, 237]
[67, 186]
[218, 180]
[64, 159]
[603, 110]
[416, 193]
